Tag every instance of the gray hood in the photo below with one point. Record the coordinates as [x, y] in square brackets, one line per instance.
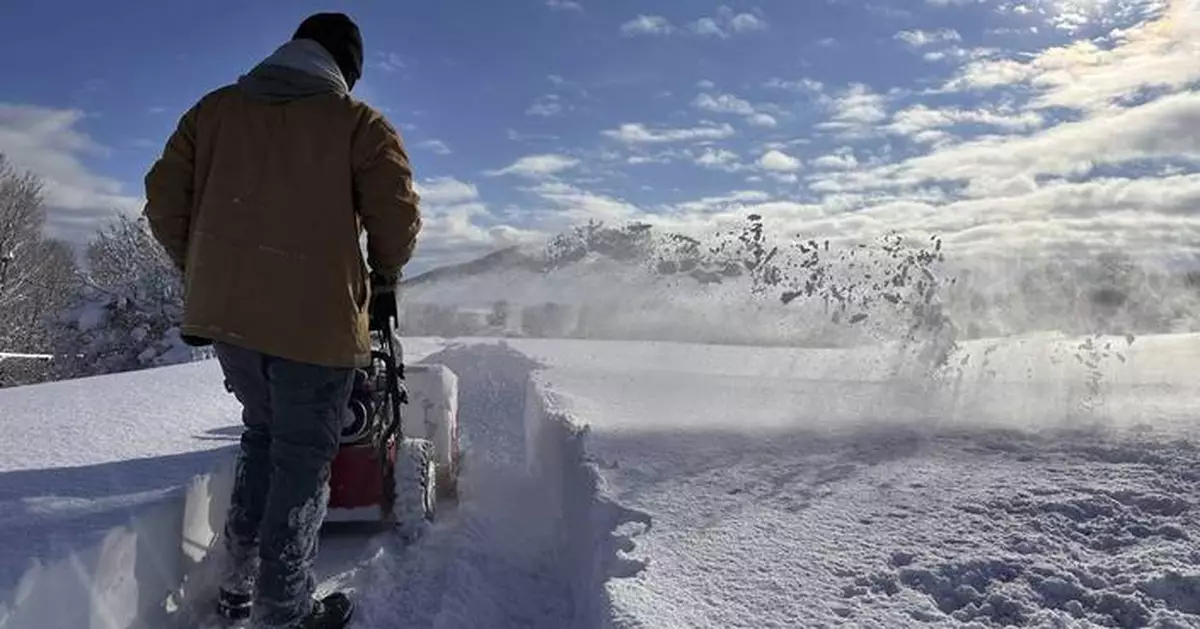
[297, 69]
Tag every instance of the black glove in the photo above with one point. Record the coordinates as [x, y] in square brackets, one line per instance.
[382, 284]
[383, 301]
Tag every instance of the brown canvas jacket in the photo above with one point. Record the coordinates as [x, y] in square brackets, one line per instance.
[262, 205]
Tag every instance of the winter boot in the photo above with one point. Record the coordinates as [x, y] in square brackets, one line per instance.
[332, 612]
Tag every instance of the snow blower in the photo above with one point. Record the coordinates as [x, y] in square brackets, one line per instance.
[391, 470]
[393, 466]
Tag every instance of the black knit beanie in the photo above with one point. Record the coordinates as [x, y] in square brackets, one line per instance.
[338, 34]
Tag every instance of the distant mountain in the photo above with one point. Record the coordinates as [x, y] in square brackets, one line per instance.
[504, 259]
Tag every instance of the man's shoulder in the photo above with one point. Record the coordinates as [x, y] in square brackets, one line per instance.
[218, 93]
[368, 119]
[365, 112]
[211, 99]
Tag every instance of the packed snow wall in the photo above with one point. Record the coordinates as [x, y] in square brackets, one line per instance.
[130, 578]
[592, 523]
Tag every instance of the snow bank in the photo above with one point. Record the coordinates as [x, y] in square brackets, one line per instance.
[111, 488]
[590, 518]
[112, 585]
[129, 578]
[93, 481]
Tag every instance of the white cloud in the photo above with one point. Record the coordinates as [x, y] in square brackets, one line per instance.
[991, 171]
[637, 133]
[1055, 182]
[446, 191]
[723, 103]
[723, 25]
[564, 5]
[48, 143]
[920, 118]
[517, 136]
[762, 120]
[919, 38]
[574, 205]
[666, 157]
[537, 166]
[727, 23]
[855, 111]
[1073, 15]
[802, 85]
[707, 27]
[458, 226]
[1167, 127]
[436, 146]
[390, 62]
[719, 159]
[731, 104]
[724, 203]
[843, 159]
[1140, 215]
[955, 53]
[745, 22]
[1087, 76]
[647, 25]
[989, 73]
[776, 160]
[546, 106]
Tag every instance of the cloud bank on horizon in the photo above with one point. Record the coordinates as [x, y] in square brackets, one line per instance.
[1005, 126]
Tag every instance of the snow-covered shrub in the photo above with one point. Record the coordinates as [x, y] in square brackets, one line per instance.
[128, 313]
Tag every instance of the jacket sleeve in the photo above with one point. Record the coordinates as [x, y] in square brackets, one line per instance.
[169, 190]
[387, 202]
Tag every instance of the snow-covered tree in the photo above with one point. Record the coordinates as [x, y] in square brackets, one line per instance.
[37, 278]
[129, 310]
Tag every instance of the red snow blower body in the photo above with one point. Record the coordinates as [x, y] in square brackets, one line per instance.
[362, 476]
[380, 475]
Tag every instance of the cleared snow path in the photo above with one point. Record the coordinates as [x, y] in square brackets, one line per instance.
[493, 559]
[497, 560]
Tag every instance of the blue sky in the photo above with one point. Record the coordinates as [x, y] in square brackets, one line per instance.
[1003, 125]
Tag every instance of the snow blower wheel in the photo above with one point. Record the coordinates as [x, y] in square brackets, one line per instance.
[390, 464]
[416, 488]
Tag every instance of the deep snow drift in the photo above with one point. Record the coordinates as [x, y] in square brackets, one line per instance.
[824, 495]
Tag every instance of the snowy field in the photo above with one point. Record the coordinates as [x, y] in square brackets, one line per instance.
[774, 488]
[641, 484]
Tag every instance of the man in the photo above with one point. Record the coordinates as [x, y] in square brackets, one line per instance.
[260, 197]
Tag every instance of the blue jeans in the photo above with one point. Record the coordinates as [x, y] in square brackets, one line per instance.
[293, 416]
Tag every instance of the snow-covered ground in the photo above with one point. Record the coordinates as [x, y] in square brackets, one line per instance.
[640, 484]
[776, 488]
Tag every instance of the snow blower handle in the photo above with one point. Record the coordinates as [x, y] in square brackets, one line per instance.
[383, 303]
